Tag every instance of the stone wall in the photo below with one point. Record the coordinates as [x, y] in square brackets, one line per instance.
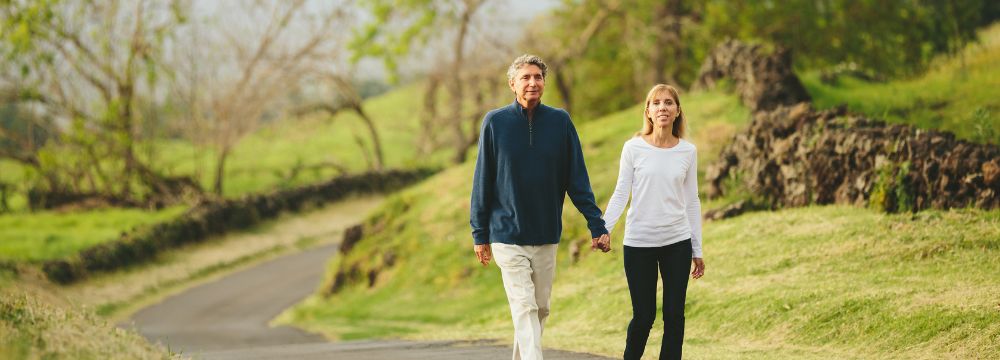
[794, 156]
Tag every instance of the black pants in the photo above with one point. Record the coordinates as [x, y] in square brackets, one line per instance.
[674, 263]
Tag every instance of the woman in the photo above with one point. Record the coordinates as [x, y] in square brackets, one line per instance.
[663, 226]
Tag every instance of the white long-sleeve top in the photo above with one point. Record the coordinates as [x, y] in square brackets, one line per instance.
[664, 187]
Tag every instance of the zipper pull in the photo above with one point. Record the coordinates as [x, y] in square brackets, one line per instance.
[531, 133]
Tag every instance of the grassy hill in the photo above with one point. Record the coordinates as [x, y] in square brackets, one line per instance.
[36, 323]
[815, 282]
[958, 94]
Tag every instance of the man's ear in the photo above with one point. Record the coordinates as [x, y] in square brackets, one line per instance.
[510, 83]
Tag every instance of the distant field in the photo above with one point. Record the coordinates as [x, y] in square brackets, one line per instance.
[263, 160]
[47, 235]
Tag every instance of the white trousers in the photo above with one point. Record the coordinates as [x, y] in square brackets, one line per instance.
[527, 272]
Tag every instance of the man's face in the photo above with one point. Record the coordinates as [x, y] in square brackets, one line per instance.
[528, 84]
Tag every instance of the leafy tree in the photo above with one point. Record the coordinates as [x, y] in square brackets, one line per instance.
[895, 38]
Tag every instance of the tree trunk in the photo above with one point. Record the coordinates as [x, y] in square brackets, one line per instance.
[4, 207]
[428, 141]
[563, 83]
[220, 170]
[379, 160]
[457, 90]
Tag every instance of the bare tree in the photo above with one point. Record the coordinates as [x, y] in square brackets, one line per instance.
[264, 54]
[349, 99]
[450, 31]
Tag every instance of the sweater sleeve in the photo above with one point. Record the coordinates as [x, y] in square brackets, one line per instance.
[693, 205]
[483, 183]
[578, 185]
[626, 172]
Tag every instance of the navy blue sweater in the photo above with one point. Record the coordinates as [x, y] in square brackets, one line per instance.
[523, 172]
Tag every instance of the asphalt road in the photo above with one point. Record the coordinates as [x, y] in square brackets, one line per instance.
[228, 319]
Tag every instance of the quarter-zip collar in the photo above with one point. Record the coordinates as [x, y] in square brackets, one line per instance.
[523, 110]
[531, 120]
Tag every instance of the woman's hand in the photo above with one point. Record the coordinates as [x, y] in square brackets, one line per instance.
[699, 268]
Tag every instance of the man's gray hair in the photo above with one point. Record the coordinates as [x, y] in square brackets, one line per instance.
[526, 59]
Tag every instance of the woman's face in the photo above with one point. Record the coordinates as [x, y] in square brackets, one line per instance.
[662, 109]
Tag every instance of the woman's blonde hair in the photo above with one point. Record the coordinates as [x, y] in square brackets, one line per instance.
[647, 122]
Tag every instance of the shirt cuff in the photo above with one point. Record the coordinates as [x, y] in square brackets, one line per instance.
[595, 233]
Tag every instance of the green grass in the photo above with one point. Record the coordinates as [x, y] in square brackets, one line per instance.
[958, 95]
[817, 282]
[37, 325]
[48, 235]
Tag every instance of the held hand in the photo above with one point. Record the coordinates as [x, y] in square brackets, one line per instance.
[605, 242]
[602, 243]
[483, 253]
[699, 268]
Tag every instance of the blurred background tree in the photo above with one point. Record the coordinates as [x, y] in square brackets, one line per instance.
[93, 69]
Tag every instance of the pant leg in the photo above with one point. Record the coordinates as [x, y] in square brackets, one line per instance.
[515, 267]
[543, 271]
[641, 273]
[675, 265]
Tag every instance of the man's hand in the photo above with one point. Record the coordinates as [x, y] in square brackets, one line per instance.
[699, 268]
[483, 253]
[602, 243]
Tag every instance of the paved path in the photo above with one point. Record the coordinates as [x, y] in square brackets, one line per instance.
[378, 350]
[233, 312]
[228, 319]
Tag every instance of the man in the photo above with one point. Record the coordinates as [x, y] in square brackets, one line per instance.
[529, 159]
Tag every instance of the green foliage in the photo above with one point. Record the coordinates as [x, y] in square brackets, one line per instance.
[890, 193]
[395, 27]
[619, 66]
[893, 38]
[984, 129]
